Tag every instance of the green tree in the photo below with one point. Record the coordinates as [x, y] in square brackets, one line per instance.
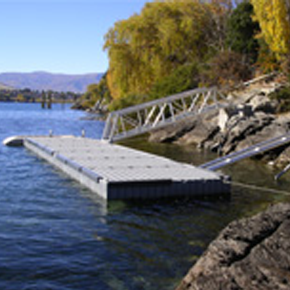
[241, 31]
[184, 78]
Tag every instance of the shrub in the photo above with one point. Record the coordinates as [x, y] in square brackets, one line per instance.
[283, 98]
[285, 66]
[227, 68]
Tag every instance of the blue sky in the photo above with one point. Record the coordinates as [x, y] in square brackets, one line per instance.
[59, 36]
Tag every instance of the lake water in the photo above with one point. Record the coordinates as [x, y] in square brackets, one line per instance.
[55, 234]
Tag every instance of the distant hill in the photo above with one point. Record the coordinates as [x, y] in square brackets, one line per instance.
[49, 81]
[5, 87]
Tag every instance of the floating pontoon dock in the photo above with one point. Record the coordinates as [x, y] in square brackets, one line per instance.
[117, 172]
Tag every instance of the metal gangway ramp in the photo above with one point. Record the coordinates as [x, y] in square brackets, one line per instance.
[143, 118]
[247, 152]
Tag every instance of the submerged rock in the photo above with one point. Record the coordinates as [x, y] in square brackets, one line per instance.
[249, 254]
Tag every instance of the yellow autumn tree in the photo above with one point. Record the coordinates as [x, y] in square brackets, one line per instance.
[164, 36]
[274, 19]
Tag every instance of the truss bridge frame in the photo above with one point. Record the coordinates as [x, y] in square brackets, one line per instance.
[143, 118]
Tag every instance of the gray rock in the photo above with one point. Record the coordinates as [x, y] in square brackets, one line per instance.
[180, 132]
[238, 129]
[238, 112]
[223, 118]
[272, 131]
[203, 131]
[261, 102]
[284, 119]
[173, 132]
[249, 254]
[225, 114]
[284, 158]
[244, 110]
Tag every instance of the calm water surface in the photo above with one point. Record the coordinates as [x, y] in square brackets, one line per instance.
[55, 234]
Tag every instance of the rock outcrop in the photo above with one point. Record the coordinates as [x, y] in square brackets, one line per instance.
[249, 254]
[239, 128]
[249, 119]
[262, 102]
[174, 132]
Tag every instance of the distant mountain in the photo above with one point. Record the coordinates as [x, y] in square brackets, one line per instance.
[5, 87]
[49, 81]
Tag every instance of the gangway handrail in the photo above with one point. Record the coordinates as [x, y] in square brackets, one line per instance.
[247, 152]
[161, 100]
[233, 154]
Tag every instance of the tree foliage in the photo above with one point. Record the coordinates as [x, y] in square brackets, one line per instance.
[274, 19]
[227, 69]
[184, 78]
[96, 95]
[241, 31]
[282, 96]
[166, 35]
[175, 45]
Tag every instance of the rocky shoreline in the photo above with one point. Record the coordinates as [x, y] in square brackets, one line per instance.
[249, 254]
[251, 118]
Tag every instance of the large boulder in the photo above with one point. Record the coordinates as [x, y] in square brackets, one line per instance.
[173, 132]
[239, 111]
[200, 133]
[262, 102]
[269, 132]
[192, 130]
[238, 129]
[249, 254]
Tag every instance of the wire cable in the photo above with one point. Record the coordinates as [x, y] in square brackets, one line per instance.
[249, 186]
